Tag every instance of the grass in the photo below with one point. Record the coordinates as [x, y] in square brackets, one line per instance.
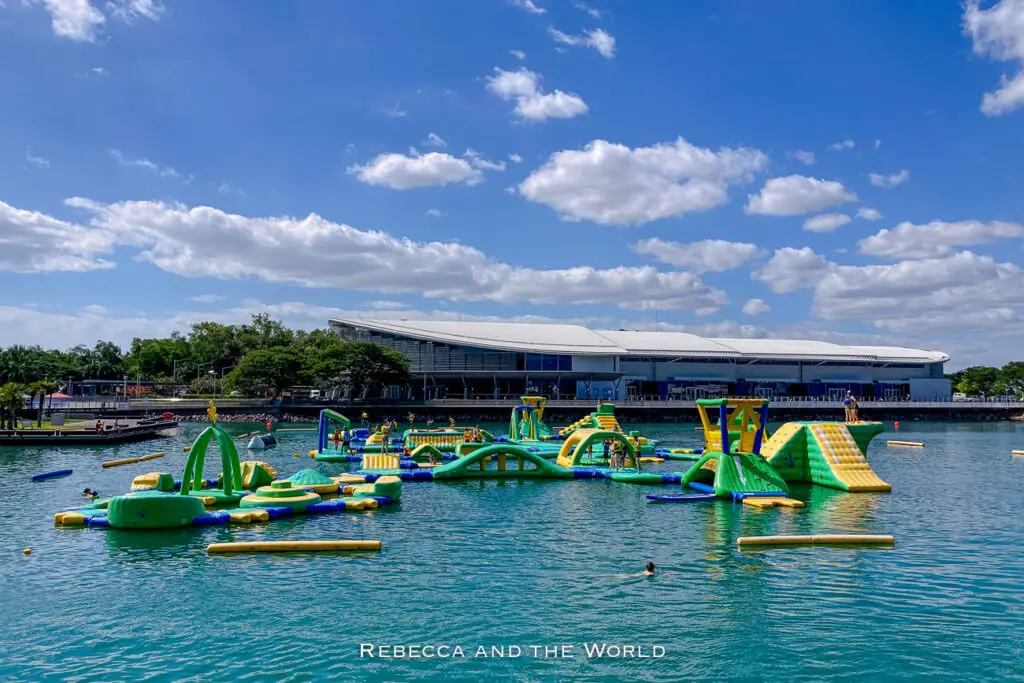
[47, 427]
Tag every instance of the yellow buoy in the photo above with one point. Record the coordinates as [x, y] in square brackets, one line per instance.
[291, 546]
[186, 448]
[27, 551]
[152, 456]
[917, 444]
[817, 539]
[296, 455]
[122, 461]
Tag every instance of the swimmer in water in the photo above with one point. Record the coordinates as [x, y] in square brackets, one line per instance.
[648, 570]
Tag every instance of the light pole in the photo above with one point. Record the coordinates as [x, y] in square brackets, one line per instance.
[222, 371]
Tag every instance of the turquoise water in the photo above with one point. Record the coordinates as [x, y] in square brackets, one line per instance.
[531, 563]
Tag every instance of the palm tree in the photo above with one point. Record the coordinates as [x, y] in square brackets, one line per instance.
[42, 390]
[12, 398]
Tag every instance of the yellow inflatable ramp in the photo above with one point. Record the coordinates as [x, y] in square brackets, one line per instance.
[772, 501]
[842, 456]
[781, 438]
[290, 546]
[608, 423]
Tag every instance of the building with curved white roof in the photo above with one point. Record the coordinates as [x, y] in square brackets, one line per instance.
[486, 359]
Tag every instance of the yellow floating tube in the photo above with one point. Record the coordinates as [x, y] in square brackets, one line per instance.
[351, 479]
[362, 504]
[817, 539]
[650, 459]
[918, 444]
[290, 546]
[1016, 452]
[116, 463]
[772, 501]
[686, 451]
[152, 456]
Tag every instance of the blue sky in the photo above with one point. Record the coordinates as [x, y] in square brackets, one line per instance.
[846, 171]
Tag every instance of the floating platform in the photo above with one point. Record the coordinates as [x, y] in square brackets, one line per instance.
[139, 430]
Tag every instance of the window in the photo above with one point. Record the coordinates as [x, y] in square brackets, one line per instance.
[546, 362]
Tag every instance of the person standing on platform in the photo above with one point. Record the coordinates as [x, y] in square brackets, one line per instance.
[848, 408]
[854, 407]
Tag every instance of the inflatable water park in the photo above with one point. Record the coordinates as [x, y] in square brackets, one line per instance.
[739, 462]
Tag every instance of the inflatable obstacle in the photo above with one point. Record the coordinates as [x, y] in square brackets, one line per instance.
[828, 454]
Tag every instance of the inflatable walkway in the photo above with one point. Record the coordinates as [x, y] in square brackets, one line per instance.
[826, 453]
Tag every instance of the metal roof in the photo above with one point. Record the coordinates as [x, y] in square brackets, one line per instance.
[524, 337]
[579, 340]
[667, 343]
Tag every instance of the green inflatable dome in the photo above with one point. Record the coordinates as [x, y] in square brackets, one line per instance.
[310, 477]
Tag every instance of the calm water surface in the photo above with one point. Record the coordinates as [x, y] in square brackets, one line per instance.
[531, 563]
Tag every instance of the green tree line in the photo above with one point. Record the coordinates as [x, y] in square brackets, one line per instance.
[980, 380]
[257, 359]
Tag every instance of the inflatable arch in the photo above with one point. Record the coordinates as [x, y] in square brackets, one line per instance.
[327, 419]
[193, 476]
[575, 445]
[463, 467]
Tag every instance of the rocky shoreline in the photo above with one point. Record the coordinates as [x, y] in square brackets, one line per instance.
[245, 417]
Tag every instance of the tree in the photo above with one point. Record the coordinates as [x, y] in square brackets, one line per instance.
[214, 344]
[368, 366]
[977, 380]
[263, 333]
[154, 358]
[264, 370]
[42, 389]
[21, 364]
[12, 399]
[1012, 376]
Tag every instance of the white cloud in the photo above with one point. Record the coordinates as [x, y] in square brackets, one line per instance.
[791, 269]
[204, 242]
[34, 242]
[162, 171]
[826, 222]
[207, 298]
[868, 214]
[878, 143]
[599, 39]
[880, 180]
[130, 10]
[80, 20]
[596, 13]
[706, 256]
[476, 160]
[612, 184]
[956, 293]
[386, 305]
[518, 54]
[528, 6]
[74, 19]
[795, 195]
[845, 144]
[401, 172]
[936, 239]
[37, 161]
[434, 213]
[227, 188]
[515, 158]
[395, 112]
[100, 71]
[998, 32]
[532, 104]
[756, 307]
[436, 140]
[804, 156]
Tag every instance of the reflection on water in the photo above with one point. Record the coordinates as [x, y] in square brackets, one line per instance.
[530, 562]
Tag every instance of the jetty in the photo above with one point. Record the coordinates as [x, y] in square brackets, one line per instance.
[86, 433]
